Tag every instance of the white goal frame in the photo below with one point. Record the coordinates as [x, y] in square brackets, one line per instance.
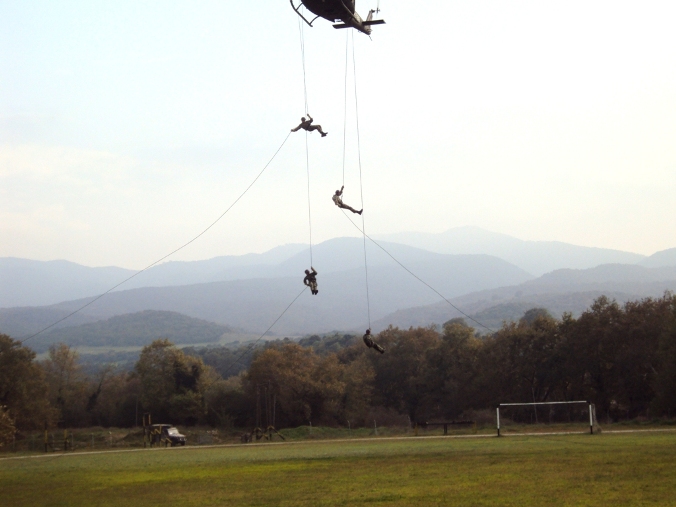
[592, 410]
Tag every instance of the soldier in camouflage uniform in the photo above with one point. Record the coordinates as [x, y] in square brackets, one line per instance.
[368, 340]
[311, 280]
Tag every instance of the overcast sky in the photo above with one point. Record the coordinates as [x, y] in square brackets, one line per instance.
[127, 127]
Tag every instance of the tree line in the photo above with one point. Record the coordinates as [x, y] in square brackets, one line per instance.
[620, 357]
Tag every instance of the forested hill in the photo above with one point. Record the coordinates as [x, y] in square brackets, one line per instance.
[622, 358]
[135, 329]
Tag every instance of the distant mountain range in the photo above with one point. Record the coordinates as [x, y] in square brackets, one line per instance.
[35, 283]
[248, 293]
[253, 304]
[561, 291]
[26, 282]
[535, 257]
[661, 259]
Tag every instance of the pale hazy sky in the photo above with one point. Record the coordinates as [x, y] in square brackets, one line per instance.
[126, 127]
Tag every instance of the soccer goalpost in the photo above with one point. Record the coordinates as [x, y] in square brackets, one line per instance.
[593, 424]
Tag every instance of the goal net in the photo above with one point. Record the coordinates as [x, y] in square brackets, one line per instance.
[555, 416]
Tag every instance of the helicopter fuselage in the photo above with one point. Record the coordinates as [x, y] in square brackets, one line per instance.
[332, 10]
[338, 10]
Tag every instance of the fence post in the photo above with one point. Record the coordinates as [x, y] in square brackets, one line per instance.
[591, 420]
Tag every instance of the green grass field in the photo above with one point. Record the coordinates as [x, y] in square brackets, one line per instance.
[608, 469]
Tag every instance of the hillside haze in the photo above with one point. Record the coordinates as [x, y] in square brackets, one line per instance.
[566, 290]
[36, 283]
[660, 259]
[535, 257]
[135, 329]
[254, 304]
[25, 282]
[250, 292]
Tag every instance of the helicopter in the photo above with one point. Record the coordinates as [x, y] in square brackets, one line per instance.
[338, 10]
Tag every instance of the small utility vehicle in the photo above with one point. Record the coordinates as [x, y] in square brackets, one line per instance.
[166, 434]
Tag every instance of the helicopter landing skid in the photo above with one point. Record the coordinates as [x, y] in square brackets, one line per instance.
[299, 13]
[365, 23]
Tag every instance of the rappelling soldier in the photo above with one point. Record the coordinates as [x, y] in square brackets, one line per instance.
[307, 125]
[368, 340]
[339, 202]
[310, 280]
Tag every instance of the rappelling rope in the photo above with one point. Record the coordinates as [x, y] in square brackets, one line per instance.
[307, 151]
[416, 276]
[347, 45]
[361, 185]
[169, 254]
[302, 50]
[309, 207]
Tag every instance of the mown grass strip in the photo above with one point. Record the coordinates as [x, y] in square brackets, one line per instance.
[620, 469]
